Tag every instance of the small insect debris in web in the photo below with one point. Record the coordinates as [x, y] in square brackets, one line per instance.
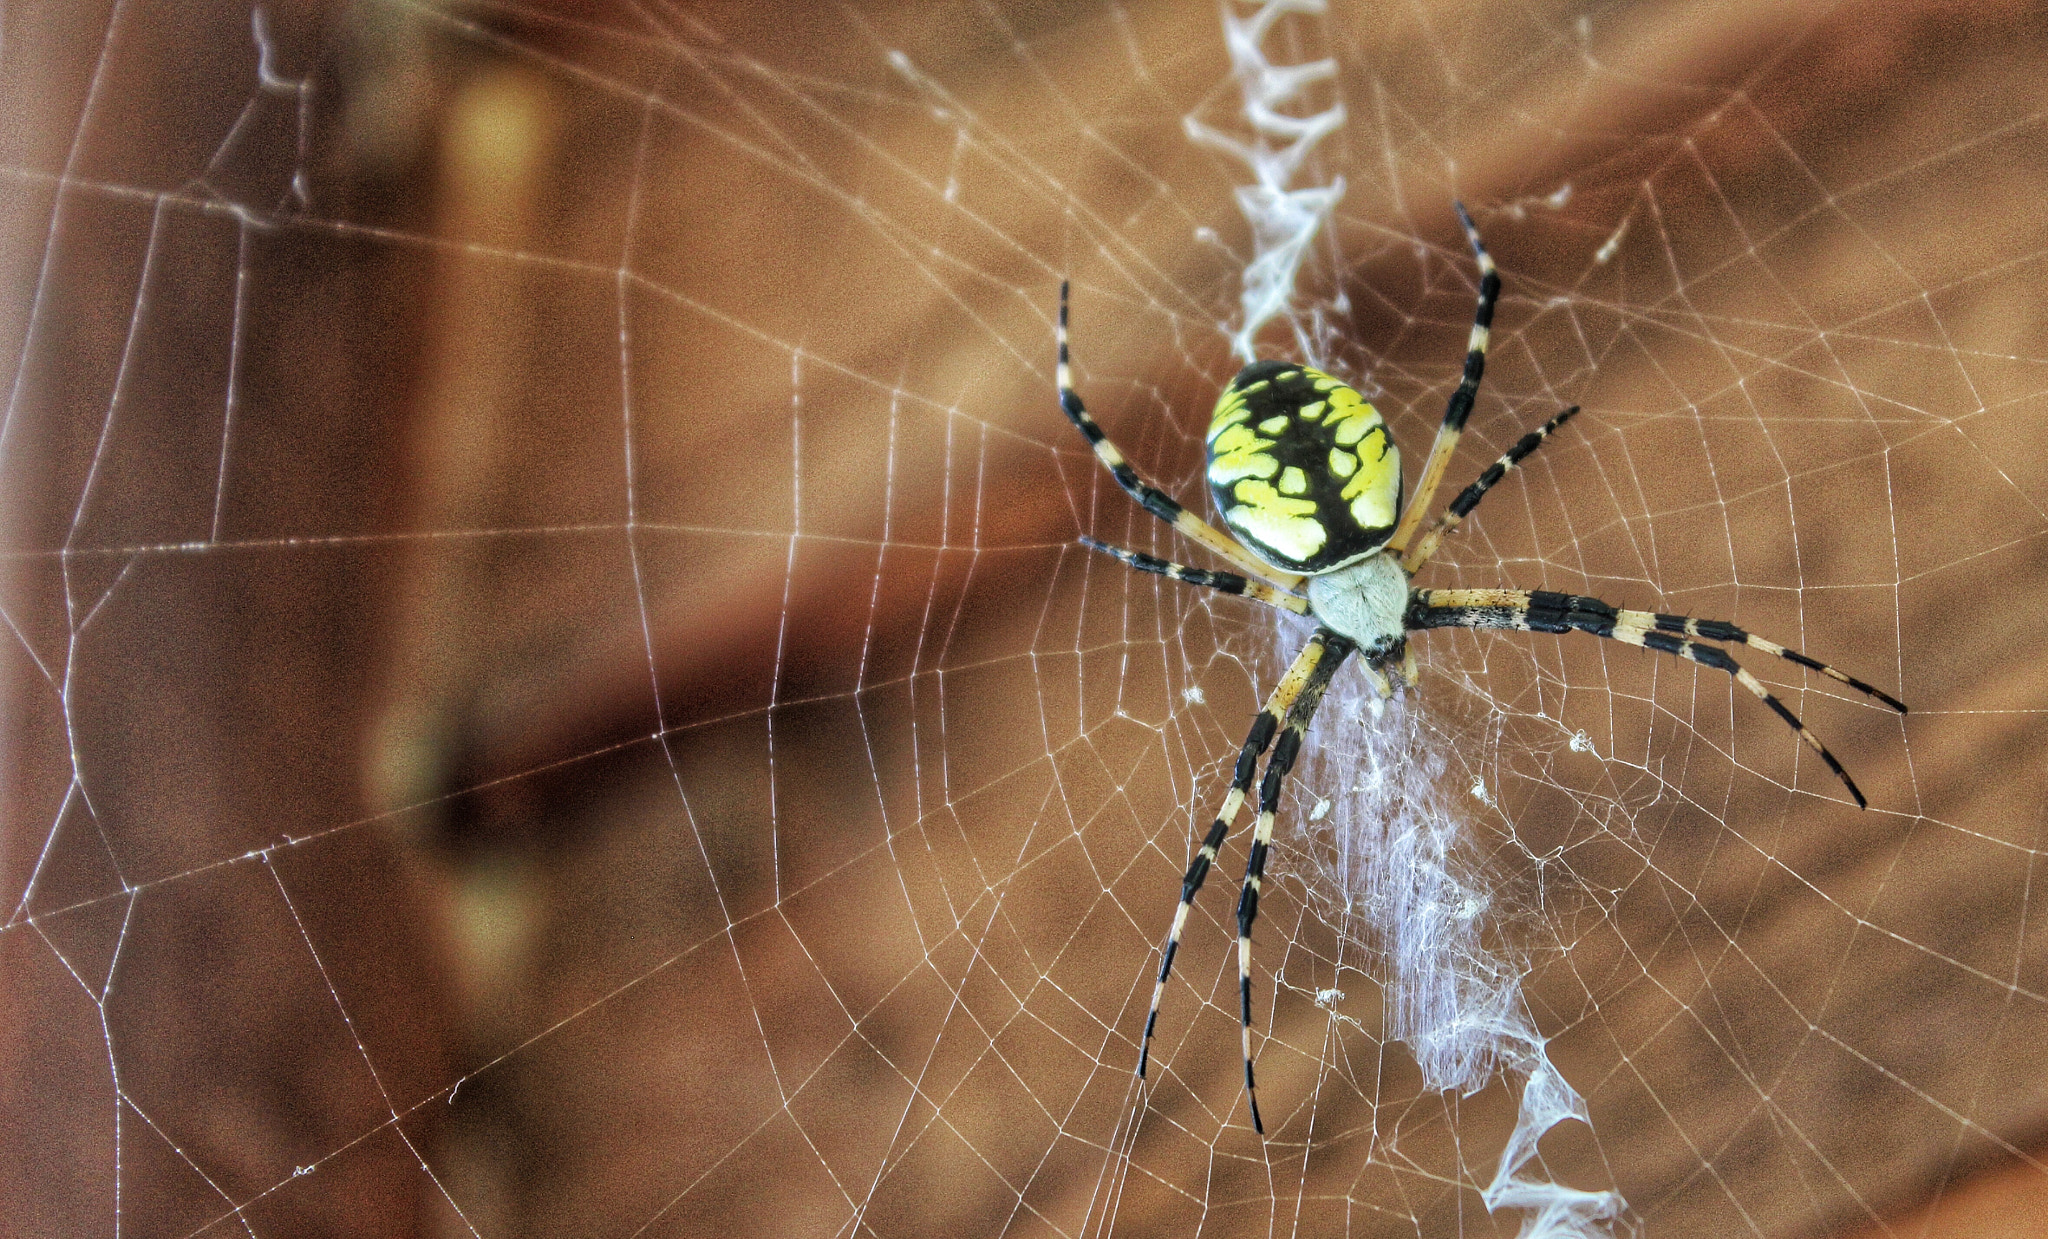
[1307, 479]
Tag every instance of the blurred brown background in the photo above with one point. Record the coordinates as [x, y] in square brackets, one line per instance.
[550, 690]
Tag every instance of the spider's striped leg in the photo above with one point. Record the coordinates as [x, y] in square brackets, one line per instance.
[1460, 406]
[1151, 498]
[1231, 583]
[1630, 622]
[1469, 498]
[1277, 766]
[1721, 630]
[1278, 706]
[1224, 582]
[1544, 611]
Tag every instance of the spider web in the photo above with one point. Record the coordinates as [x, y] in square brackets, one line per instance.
[551, 687]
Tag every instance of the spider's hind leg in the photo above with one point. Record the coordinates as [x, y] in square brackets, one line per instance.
[1459, 407]
[1149, 497]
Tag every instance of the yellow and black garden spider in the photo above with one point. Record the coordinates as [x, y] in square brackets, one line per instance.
[1308, 480]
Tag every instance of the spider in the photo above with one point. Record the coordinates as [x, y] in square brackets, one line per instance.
[1307, 477]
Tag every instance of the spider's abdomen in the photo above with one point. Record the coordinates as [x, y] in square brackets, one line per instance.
[1302, 468]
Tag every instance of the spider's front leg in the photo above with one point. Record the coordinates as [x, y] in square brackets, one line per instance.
[1680, 635]
[1336, 649]
[1278, 706]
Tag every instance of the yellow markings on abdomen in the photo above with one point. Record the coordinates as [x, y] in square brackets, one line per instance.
[1302, 467]
[1230, 411]
[1372, 483]
[1373, 491]
[1238, 453]
[1284, 524]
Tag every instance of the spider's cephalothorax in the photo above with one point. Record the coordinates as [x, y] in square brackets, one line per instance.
[1308, 480]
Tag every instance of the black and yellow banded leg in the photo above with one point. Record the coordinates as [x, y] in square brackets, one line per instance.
[1151, 498]
[1223, 582]
[1469, 498]
[1544, 611]
[1285, 749]
[1279, 705]
[1460, 407]
[1721, 630]
[1231, 583]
